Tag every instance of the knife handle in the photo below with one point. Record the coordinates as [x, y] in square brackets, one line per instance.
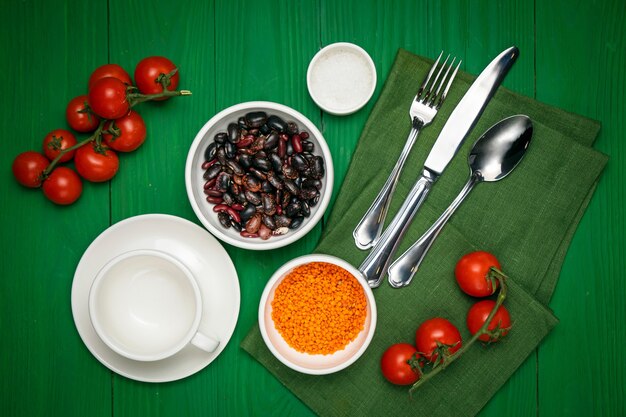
[369, 229]
[374, 267]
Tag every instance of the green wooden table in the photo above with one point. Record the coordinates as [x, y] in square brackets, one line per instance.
[572, 56]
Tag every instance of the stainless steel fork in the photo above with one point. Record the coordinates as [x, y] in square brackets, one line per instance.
[424, 107]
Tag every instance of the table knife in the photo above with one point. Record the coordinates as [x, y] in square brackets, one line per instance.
[459, 124]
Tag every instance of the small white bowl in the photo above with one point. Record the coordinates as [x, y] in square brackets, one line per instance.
[194, 181]
[341, 78]
[304, 362]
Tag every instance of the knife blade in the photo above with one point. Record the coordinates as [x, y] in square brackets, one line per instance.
[456, 129]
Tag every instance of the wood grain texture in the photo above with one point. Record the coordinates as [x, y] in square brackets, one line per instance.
[582, 356]
[572, 56]
[43, 362]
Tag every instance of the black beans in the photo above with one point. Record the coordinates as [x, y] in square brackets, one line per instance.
[237, 169]
[233, 133]
[292, 128]
[296, 222]
[212, 172]
[307, 146]
[209, 152]
[255, 119]
[263, 164]
[252, 197]
[262, 175]
[271, 141]
[220, 138]
[247, 212]
[276, 123]
[299, 162]
[224, 219]
[277, 163]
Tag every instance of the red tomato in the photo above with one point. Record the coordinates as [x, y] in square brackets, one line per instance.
[395, 364]
[499, 325]
[79, 116]
[132, 133]
[434, 332]
[149, 72]
[63, 186]
[27, 168]
[56, 141]
[94, 166]
[109, 70]
[107, 98]
[472, 274]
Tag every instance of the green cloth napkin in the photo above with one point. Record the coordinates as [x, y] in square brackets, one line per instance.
[527, 220]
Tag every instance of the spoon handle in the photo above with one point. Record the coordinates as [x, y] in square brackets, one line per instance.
[401, 272]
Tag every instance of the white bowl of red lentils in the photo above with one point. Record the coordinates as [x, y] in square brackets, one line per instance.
[317, 314]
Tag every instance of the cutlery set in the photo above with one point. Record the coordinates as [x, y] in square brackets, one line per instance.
[494, 155]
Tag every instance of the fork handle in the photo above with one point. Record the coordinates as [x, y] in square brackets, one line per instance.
[370, 227]
[374, 267]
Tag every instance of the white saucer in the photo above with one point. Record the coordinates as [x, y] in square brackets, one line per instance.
[191, 245]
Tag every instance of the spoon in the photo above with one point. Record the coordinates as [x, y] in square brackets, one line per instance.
[494, 155]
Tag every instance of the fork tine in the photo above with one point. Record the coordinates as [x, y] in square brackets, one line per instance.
[430, 73]
[443, 81]
[429, 94]
[445, 91]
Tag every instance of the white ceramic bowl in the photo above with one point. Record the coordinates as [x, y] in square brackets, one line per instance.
[341, 78]
[195, 182]
[308, 363]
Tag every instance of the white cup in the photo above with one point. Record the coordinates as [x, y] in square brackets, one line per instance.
[146, 305]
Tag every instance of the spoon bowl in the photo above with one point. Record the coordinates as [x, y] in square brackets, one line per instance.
[498, 151]
[494, 155]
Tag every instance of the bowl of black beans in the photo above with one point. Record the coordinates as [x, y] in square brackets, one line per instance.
[259, 175]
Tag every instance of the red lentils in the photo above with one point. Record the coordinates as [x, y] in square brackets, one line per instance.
[319, 308]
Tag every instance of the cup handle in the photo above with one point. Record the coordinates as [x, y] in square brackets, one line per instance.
[205, 343]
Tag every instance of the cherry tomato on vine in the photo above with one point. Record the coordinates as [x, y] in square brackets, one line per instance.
[151, 70]
[107, 98]
[132, 132]
[63, 186]
[109, 70]
[27, 168]
[56, 141]
[435, 336]
[472, 271]
[499, 325]
[395, 364]
[95, 166]
[79, 116]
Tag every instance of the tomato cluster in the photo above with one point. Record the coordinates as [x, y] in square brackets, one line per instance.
[105, 112]
[437, 339]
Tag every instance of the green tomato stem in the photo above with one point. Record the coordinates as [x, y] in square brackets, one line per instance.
[134, 99]
[55, 161]
[500, 276]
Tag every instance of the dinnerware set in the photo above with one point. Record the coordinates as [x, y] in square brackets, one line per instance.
[155, 298]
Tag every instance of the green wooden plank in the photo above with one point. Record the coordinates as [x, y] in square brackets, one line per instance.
[262, 53]
[151, 179]
[48, 50]
[222, 65]
[581, 363]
